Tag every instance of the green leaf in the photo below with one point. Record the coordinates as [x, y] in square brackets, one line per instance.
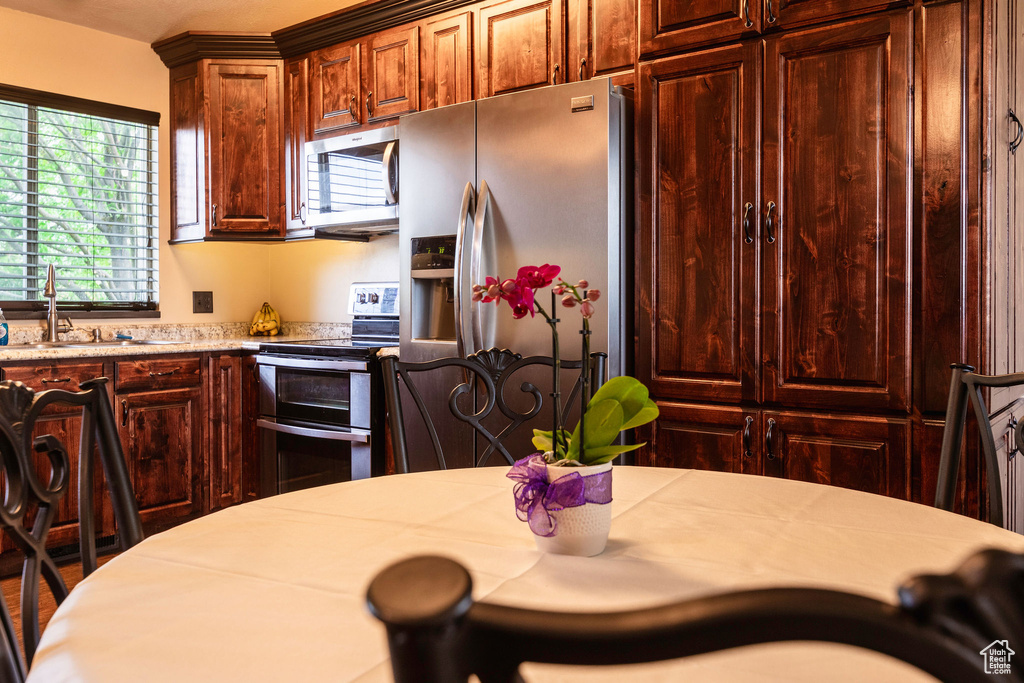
[648, 413]
[603, 424]
[601, 455]
[542, 440]
[628, 391]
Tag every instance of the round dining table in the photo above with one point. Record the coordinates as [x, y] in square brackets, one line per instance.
[274, 590]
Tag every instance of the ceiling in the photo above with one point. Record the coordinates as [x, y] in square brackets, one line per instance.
[151, 20]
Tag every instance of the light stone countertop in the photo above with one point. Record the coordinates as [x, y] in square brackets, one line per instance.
[194, 338]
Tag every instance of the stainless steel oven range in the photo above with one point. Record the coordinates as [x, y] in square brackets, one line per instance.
[322, 401]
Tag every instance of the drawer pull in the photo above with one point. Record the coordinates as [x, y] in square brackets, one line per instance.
[60, 380]
[163, 374]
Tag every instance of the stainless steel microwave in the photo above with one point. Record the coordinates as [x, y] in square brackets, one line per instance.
[352, 184]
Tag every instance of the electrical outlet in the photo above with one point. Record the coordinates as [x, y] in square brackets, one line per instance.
[202, 302]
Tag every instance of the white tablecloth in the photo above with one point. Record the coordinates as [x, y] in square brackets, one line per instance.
[274, 590]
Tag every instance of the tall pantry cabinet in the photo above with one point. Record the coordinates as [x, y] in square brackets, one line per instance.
[812, 237]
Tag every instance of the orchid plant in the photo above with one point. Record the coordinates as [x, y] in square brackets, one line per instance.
[621, 403]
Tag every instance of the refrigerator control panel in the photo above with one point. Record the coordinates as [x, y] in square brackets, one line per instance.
[433, 253]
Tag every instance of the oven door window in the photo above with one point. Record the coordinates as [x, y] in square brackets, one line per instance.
[304, 462]
[314, 396]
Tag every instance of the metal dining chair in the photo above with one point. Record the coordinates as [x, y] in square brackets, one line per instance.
[30, 504]
[938, 623]
[482, 399]
[966, 385]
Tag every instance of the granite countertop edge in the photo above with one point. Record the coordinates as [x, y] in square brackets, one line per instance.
[186, 339]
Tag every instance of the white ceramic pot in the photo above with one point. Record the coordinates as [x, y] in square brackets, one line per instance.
[581, 530]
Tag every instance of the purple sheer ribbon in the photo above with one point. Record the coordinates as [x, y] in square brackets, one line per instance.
[536, 499]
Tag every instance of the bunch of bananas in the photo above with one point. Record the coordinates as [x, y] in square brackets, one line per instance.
[266, 321]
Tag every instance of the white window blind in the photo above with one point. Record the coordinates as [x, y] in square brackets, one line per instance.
[78, 189]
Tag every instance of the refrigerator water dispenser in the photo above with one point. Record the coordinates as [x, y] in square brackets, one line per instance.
[432, 269]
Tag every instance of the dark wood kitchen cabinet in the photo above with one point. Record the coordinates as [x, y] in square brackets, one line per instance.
[860, 452]
[226, 150]
[835, 260]
[162, 433]
[667, 25]
[699, 233]
[393, 74]
[336, 88]
[446, 65]
[66, 424]
[519, 45]
[601, 38]
[298, 130]
[224, 412]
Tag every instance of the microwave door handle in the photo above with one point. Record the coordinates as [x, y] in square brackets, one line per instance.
[330, 434]
[483, 205]
[462, 288]
[389, 169]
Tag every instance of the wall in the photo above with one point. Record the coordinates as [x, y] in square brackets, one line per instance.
[55, 56]
[310, 280]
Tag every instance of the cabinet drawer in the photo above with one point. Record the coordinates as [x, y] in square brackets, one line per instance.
[54, 375]
[167, 373]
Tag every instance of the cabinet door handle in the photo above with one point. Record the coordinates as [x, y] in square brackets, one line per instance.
[554, 75]
[1019, 136]
[124, 413]
[60, 380]
[583, 64]
[214, 212]
[769, 453]
[746, 14]
[352, 109]
[771, 13]
[163, 374]
[369, 105]
[747, 451]
[769, 223]
[747, 237]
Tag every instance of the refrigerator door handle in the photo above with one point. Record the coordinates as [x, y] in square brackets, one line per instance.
[483, 205]
[461, 286]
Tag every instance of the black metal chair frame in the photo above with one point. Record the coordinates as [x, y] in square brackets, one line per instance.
[20, 408]
[493, 370]
[966, 385]
[436, 632]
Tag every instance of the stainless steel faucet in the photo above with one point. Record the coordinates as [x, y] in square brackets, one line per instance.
[53, 325]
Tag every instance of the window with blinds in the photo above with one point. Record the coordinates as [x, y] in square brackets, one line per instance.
[78, 189]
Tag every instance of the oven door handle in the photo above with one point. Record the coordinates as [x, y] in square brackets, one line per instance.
[312, 432]
[310, 364]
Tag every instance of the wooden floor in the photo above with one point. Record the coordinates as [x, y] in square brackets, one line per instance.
[11, 587]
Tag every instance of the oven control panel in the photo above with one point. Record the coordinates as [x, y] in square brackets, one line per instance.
[373, 298]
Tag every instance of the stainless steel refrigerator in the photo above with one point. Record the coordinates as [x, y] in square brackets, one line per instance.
[540, 176]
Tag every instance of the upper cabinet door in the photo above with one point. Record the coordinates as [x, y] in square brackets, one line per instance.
[335, 88]
[698, 155]
[393, 74]
[447, 66]
[245, 148]
[782, 13]
[296, 133]
[518, 45]
[835, 212]
[601, 39]
[671, 24]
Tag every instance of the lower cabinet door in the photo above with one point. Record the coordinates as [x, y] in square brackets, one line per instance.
[224, 457]
[852, 451]
[161, 432]
[702, 437]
